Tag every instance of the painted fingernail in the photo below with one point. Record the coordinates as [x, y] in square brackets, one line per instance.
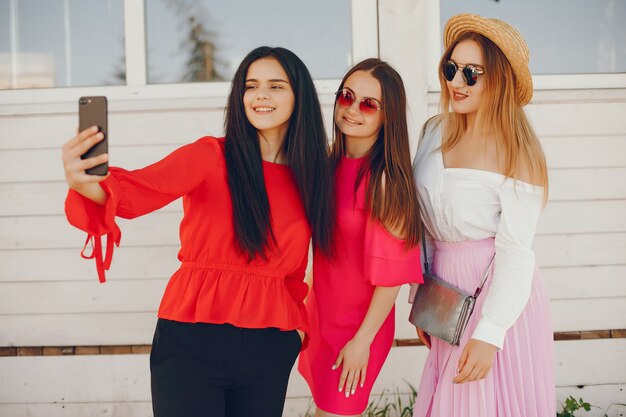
[347, 393]
[353, 391]
[333, 368]
[339, 389]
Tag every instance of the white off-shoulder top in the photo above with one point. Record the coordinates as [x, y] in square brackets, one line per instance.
[460, 204]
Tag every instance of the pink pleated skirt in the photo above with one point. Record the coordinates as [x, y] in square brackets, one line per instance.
[521, 382]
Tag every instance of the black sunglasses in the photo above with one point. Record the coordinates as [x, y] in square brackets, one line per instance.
[470, 72]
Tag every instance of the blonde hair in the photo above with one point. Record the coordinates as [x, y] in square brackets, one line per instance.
[499, 113]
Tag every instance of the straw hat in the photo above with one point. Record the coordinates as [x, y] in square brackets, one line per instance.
[506, 37]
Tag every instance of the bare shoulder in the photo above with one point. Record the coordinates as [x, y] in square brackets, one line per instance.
[526, 173]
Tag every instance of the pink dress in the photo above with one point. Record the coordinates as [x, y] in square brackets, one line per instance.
[366, 256]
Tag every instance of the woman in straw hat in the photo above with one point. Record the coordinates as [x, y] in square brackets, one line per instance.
[482, 181]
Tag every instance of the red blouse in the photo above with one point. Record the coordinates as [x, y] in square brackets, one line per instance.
[214, 283]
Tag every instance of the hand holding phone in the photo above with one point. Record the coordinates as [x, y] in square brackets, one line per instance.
[77, 164]
[92, 111]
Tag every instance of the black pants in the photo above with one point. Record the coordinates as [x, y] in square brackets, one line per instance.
[219, 370]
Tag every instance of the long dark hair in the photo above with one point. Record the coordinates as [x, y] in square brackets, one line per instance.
[390, 196]
[305, 146]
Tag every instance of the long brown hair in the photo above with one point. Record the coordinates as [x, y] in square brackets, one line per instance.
[305, 146]
[499, 113]
[390, 196]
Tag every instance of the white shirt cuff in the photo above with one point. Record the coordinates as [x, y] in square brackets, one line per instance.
[489, 332]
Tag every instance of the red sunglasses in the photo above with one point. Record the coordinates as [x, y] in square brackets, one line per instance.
[367, 105]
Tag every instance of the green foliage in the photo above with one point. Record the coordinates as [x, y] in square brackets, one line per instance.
[391, 403]
[384, 406]
[572, 405]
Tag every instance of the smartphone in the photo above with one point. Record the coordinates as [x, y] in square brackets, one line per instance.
[92, 111]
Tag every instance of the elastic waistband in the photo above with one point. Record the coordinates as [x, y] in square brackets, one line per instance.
[233, 268]
[226, 327]
[464, 245]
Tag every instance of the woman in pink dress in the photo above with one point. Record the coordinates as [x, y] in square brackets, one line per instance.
[351, 307]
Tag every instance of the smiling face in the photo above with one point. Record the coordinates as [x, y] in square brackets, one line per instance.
[466, 99]
[268, 99]
[354, 124]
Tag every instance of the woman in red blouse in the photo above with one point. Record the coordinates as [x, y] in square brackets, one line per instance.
[232, 316]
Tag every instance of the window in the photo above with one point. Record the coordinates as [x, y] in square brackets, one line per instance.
[205, 40]
[564, 36]
[61, 43]
[147, 49]
[573, 43]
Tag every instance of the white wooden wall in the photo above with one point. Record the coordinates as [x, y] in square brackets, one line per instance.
[49, 296]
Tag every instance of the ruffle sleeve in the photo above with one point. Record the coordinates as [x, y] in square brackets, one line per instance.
[387, 261]
[134, 193]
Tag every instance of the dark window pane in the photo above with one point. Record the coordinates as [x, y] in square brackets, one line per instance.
[206, 40]
[61, 43]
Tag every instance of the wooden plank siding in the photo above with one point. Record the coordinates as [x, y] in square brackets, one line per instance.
[50, 297]
[111, 385]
